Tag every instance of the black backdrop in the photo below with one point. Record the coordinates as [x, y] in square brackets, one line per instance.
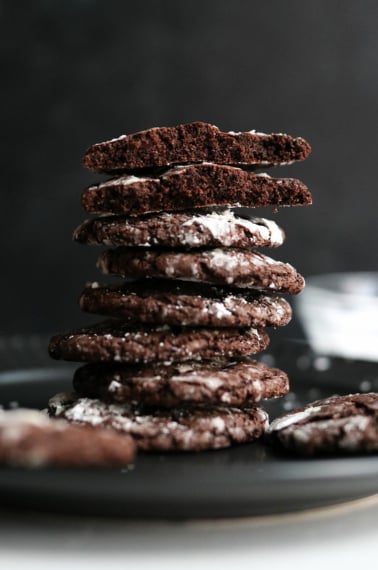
[77, 72]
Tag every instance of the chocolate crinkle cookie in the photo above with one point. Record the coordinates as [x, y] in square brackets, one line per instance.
[193, 142]
[221, 266]
[184, 429]
[116, 341]
[182, 230]
[219, 382]
[194, 186]
[165, 302]
[336, 425]
[29, 438]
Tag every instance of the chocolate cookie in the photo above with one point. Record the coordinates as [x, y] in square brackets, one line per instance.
[182, 230]
[340, 424]
[29, 438]
[194, 186]
[164, 302]
[113, 341]
[184, 429]
[236, 267]
[193, 142]
[219, 382]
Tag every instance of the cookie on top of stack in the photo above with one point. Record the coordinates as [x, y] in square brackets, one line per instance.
[172, 364]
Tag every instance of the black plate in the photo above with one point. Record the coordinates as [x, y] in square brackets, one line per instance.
[241, 481]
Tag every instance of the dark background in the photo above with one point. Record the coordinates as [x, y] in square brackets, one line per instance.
[78, 72]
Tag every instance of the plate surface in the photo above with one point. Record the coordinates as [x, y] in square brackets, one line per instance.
[244, 480]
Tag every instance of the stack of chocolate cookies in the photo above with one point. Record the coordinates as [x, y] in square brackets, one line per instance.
[172, 364]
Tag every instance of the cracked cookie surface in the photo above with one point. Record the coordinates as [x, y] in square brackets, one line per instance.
[160, 302]
[112, 341]
[339, 424]
[221, 266]
[218, 382]
[177, 429]
[29, 438]
[181, 230]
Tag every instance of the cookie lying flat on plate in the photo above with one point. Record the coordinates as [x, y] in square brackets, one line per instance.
[185, 429]
[218, 382]
[29, 438]
[193, 142]
[236, 267]
[340, 424]
[194, 186]
[114, 341]
[173, 303]
[182, 230]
